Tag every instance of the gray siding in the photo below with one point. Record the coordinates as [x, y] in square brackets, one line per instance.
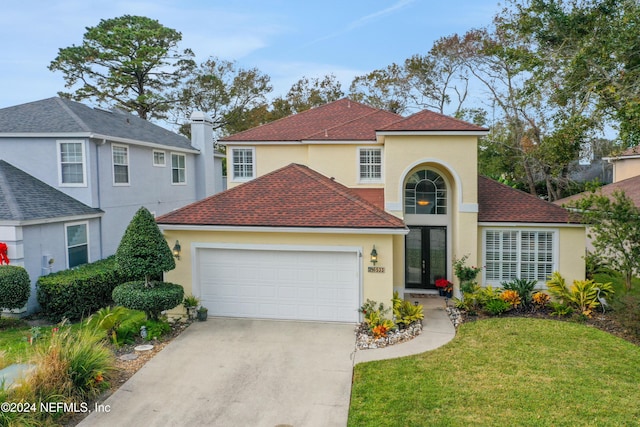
[49, 240]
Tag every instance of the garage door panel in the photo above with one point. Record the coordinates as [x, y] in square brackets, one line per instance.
[303, 285]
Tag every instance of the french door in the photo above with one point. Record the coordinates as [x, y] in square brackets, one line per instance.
[425, 256]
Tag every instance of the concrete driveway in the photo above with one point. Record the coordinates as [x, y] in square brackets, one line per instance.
[235, 372]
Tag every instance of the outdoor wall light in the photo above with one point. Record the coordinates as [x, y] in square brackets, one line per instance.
[374, 255]
[176, 250]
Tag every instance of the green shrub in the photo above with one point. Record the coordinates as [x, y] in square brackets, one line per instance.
[157, 328]
[78, 292]
[374, 316]
[74, 365]
[190, 301]
[486, 294]
[108, 320]
[150, 299]
[143, 251]
[560, 309]
[15, 287]
[496, 307]
[407, 313]
[524, 289]
[90, 361]
[582, 295]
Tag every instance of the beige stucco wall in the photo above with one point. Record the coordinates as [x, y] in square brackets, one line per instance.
[455, 154]
[374, 286]
[454, 158]
[625, 168]
[339, 161]
[573, 242]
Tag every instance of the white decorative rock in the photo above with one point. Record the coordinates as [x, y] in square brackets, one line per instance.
[144, 347]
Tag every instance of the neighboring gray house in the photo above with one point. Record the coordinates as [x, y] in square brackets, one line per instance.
[72, 177]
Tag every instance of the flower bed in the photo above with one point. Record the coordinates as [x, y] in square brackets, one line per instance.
[364, 340]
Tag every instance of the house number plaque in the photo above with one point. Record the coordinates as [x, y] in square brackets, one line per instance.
[376, 270]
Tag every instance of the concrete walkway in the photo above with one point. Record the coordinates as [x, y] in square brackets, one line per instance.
[437, 331]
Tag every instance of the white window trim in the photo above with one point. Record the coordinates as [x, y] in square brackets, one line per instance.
[113, 167]
[84, 163]
[253, 166]
[556, 250]
[164, 156]
[66, 240]
[171, 154]
[370, 180]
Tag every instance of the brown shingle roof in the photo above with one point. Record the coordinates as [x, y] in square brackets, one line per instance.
[293, 196]
[630, 186]
[633, 151]
[302, 126]
[347, 120]
[362, 128]
[500, 203]
[430, 121]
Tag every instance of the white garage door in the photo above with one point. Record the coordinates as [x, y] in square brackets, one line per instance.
[279, 284]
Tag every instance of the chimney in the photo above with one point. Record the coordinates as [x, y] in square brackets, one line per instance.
[202, 139]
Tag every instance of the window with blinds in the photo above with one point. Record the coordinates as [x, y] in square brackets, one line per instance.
[511, 254]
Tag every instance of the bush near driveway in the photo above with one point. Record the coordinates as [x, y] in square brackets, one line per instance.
[78, 292]
[507, 371]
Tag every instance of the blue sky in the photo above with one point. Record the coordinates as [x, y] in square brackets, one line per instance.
[284, 39]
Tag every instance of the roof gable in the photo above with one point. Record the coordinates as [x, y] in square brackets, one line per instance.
[293, 196]
[63, 116]
[500, 203]
[23, 198]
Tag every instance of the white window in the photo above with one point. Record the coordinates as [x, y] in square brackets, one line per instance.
[178, 168]
[243, 164]
[71, 163]
[158, 158]
[77, 244]
[370, 164]
[120, 155]
[519, 254]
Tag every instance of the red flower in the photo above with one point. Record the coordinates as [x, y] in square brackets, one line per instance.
[443, 283]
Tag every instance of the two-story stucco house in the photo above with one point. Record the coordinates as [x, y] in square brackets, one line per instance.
[72, 177]
[344, 203]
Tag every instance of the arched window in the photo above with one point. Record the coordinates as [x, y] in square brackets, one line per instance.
[425, 193]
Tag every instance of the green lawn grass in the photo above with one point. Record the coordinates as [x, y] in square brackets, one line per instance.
[505, 372]
[14, 340]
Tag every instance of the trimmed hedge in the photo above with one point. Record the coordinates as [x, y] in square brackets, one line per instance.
[78, 292]
[15, 287]
[152, 300]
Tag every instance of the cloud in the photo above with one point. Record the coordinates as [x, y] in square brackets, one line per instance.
[360, 22]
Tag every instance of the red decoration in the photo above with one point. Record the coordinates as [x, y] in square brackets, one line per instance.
[4, 258]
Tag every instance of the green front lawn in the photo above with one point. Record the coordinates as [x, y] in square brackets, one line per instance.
[14, 343]
[499, 372]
